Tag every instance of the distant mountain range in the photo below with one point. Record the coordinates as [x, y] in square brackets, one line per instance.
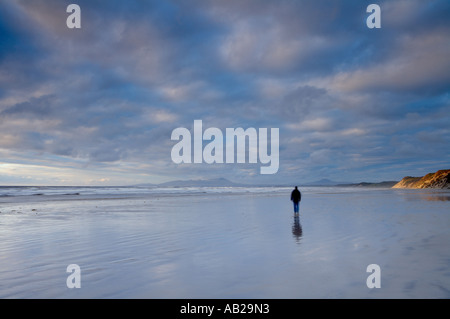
[386, 184]
[214, 182]
[440, 179]
[323, 182]
[327, 182]
[223, 182]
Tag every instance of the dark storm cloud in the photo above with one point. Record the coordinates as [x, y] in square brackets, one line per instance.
[300, 102]
[39, 107]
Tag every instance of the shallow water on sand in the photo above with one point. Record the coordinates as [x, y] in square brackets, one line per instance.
[228, 245]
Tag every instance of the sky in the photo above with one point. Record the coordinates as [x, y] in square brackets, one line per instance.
[97, 105]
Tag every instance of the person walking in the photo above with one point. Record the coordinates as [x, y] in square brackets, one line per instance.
[296, 197]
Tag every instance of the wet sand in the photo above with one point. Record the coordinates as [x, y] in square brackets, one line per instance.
[225, 245]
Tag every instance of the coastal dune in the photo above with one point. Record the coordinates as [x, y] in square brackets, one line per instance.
[440, 179]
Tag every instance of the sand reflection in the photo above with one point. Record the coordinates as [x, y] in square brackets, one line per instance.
[441, 198]
[297, 231]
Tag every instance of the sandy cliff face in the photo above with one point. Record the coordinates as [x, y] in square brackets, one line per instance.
[440, 179]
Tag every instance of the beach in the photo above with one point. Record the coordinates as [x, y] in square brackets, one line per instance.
[224, 242]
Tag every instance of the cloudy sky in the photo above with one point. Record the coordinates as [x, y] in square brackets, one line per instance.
[97, 105]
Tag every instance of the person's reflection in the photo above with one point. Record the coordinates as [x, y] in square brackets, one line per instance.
[297, 228]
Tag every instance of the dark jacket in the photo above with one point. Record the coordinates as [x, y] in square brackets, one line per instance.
[296, 196]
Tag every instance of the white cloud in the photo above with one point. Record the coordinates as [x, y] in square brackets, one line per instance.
[261, 45]
[317, 124]
[416, 62]
[162, 116]
[353, 131]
